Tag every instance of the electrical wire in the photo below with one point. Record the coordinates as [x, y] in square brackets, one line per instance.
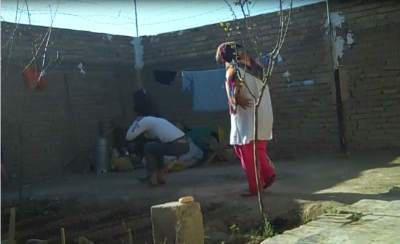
[184, 18]
[87, 17]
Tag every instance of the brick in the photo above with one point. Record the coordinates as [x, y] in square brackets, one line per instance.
[305, 116]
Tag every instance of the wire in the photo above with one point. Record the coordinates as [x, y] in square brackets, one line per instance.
[11, 41]
[86, 17]
[84, 2]
[184, 18]
[12, 37]
[16, 12]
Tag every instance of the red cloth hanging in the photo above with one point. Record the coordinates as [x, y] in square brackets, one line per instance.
[32, 81]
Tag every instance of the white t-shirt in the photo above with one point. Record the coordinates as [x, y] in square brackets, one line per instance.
[154, 128]
[242, 122]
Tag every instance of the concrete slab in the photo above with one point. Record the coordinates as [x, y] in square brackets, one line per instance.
[366, 221]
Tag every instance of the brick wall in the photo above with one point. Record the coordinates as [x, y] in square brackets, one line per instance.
[369, 73]
[57, 126]
[63, 118]
[304, 115]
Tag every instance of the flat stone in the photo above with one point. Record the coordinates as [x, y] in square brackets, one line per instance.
[367, 221]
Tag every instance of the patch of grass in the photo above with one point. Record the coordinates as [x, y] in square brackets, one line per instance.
[252, 236]
[264, 231]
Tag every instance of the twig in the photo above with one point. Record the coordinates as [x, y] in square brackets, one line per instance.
[250, 34]
[11, 39]
[28, 12]
[11, 42]
[11, 228]
[37, 51]
[46, 38]
[231, 9]
[47, 44]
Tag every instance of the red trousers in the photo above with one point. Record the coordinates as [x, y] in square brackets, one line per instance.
[266, 168]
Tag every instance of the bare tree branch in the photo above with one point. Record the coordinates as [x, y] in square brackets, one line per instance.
[45, 40]
[284, 21]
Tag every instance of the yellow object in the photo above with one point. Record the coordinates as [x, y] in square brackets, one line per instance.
[11, 228]
[186, 199]
[175, 166]
[120, 163]
[221, 133]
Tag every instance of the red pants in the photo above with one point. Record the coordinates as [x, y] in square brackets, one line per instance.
[266, 168]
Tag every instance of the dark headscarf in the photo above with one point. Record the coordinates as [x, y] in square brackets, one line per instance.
[228, 51]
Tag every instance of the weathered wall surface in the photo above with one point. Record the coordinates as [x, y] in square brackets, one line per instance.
[47, 129]
[304, 106]
[370, 74]
[50, 128]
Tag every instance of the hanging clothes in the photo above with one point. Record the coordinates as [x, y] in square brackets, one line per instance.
[165, 77]
[208, 89]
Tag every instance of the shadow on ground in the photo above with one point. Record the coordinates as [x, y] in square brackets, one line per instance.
[102, 207]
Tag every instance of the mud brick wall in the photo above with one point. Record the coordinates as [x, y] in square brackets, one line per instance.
[370, 74]
[45, 130]
[305, 106]
[48, 129]
[304, 115]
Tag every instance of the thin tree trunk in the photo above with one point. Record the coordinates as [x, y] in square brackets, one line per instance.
[256, 161]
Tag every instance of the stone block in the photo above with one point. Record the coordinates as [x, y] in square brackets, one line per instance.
[177, 223]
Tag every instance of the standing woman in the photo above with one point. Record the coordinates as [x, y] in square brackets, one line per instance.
[243, 83]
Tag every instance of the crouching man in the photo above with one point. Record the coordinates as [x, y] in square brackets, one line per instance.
[169, 141]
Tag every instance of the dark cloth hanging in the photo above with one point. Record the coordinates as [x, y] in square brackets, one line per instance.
[165, 77]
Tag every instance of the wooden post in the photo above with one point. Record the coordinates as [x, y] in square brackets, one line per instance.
[62, 236]
[130, 237]
[11, 228]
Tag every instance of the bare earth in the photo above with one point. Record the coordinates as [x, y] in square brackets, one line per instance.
[101, 207]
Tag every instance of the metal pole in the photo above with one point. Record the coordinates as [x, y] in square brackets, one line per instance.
[137, 27]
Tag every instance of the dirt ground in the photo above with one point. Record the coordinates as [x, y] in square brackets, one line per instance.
[101, 208]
